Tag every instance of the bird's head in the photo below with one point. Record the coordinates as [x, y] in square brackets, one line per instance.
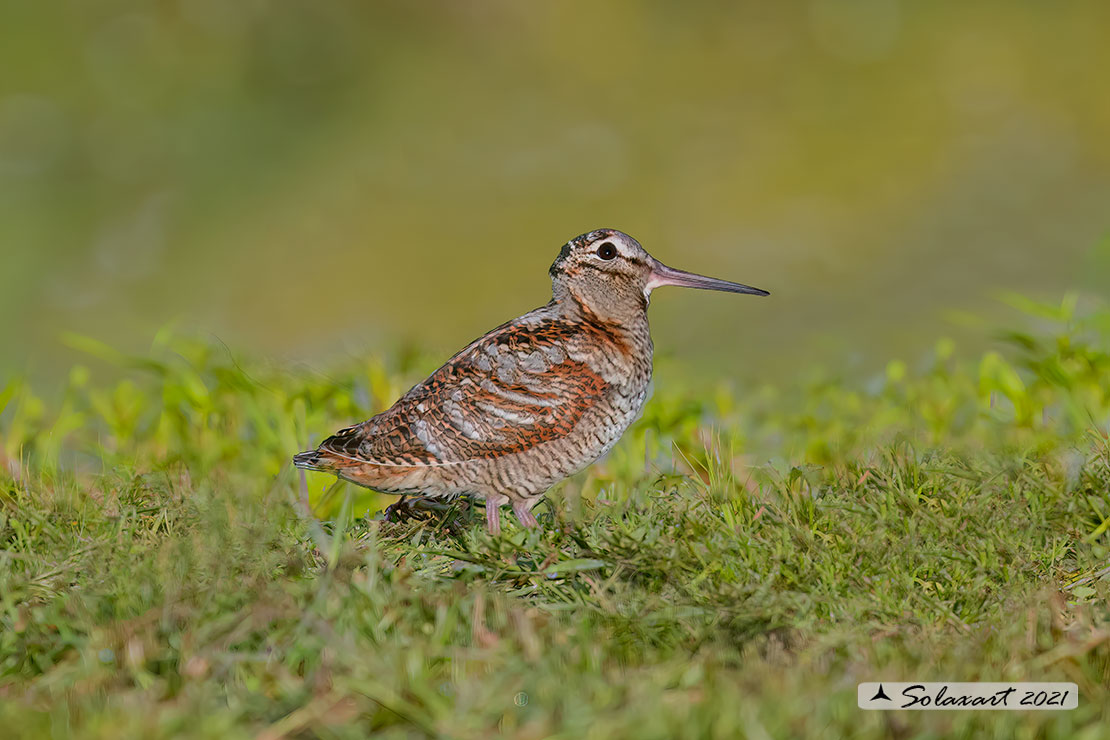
[608, 273]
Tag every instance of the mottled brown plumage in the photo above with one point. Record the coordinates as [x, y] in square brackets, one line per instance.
[531, 402]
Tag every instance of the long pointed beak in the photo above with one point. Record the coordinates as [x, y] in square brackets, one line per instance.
[663, 275]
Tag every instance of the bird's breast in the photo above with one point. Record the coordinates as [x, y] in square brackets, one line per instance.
[626, 368]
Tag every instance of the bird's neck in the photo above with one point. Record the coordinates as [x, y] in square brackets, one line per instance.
[617, 306]
[628, 319]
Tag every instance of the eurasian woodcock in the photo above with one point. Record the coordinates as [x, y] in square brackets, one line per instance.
[531, 402]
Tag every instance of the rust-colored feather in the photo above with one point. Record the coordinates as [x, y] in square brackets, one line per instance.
[510, 390]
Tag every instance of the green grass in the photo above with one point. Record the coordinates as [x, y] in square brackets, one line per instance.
[733, 569]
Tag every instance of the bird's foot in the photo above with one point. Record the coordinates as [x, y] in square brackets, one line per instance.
[416, 507]
[524, 515]
[422, 509]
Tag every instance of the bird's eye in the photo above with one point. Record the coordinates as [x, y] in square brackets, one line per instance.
[607, 251]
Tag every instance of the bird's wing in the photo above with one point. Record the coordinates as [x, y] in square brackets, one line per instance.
[514, 388]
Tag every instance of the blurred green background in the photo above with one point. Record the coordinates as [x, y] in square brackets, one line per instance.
[303, 179]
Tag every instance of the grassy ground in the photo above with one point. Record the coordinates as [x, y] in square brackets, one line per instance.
[733, 569]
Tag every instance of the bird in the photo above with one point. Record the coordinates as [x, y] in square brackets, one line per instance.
[531, 402]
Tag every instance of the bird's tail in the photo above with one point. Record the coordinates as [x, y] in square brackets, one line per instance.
[311, 460]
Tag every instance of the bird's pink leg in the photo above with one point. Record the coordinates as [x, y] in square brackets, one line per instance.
[493, 514]
[523, 511]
